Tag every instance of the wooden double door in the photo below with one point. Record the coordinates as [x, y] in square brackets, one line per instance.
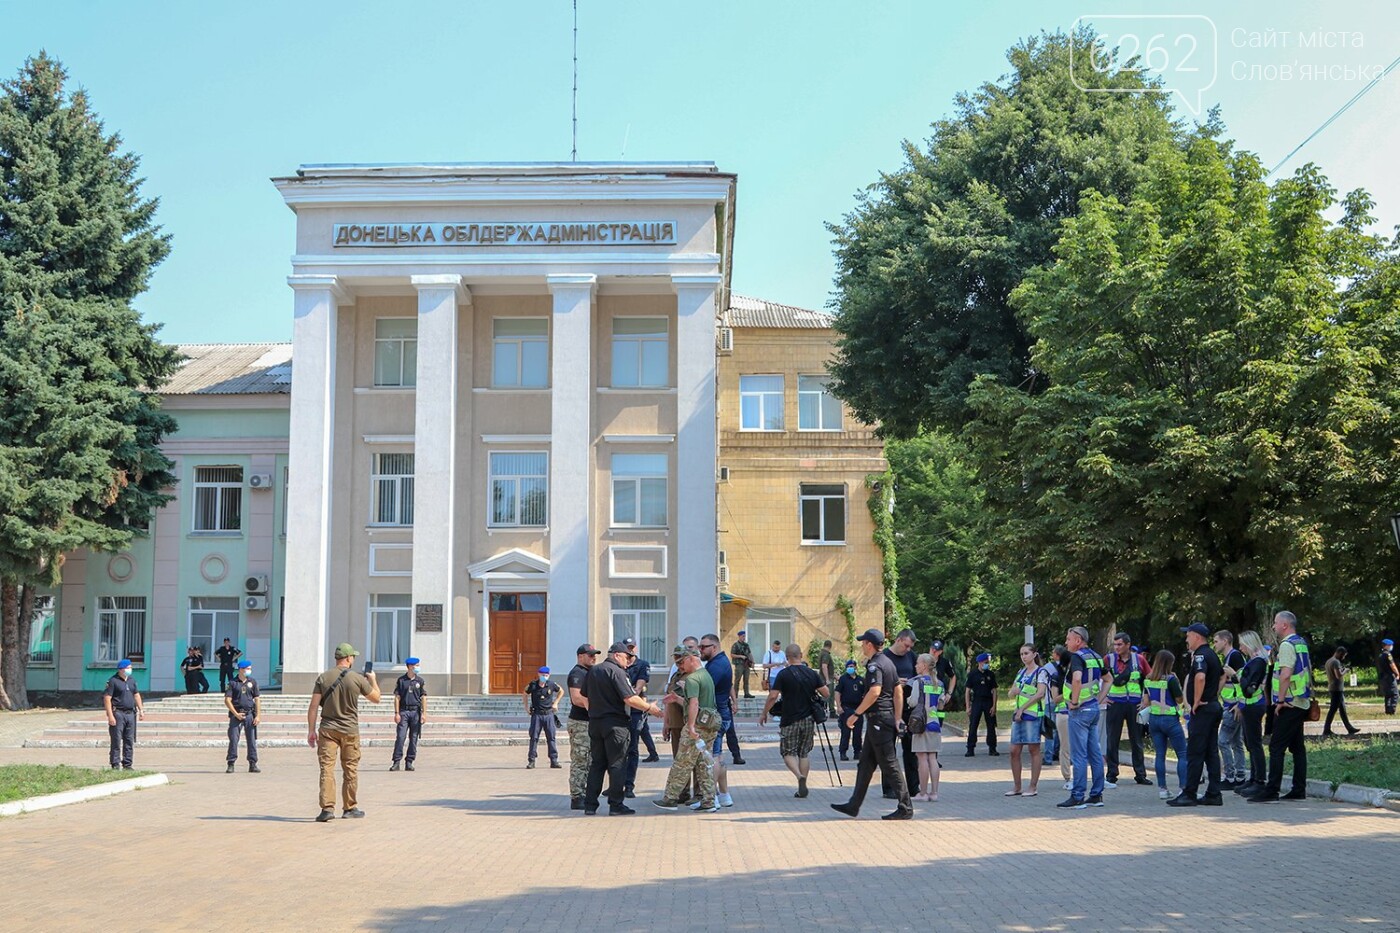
[517, 640]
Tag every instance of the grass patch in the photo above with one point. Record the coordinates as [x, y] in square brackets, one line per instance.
[19, 782]
[1369, 762]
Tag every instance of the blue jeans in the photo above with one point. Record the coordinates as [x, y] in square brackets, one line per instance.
[1051, 745]
[1166, 730]
[1086, 751]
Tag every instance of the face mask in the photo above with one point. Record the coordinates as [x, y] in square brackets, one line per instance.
[544, 678]
[125, 673]
[983, 666]
[850, 670]
[246, 673]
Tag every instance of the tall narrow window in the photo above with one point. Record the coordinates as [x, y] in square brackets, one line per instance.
[41, 633]
[218, 498]
[212, 619]
[519, 489]
[520, 354]
[390, 627]
[391, 485]
[395, 352]
[640, 358]
[761, 403]
[823, 509]
[817, 408]
[121, 629]
[642, 618]
[639, 490]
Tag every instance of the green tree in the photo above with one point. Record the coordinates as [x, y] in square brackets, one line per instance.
[1218, 432]
[928, 259]
[80, 464]
[951, 586]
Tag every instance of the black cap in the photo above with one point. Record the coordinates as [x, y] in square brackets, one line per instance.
[587, 649]
[1199, 628]
[937, 645]
[872, 635]
[622, 647]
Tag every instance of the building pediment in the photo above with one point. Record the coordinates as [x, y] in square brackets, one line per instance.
[515, 563]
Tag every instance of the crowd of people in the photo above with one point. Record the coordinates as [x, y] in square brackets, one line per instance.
[1073, 707]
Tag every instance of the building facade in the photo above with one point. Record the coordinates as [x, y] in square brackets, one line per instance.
[209, 566]
[795, 528]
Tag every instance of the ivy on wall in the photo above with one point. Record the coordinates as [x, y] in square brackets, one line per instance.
[881, 505]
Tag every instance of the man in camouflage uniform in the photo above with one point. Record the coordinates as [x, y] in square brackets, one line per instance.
[580, 745]
[696, 693]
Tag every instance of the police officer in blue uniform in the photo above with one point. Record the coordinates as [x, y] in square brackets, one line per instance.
[244, 703]
[122, 701]
[410, 712]
[542, 703]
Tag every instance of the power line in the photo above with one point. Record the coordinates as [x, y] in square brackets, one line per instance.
[1340, 110]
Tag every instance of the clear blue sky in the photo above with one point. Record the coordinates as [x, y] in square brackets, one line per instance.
[806, 101]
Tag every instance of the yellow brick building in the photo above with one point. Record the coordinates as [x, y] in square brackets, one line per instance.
[795, 527]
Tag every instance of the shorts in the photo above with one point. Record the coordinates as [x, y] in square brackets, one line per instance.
[725, 724]
[795, 741]
[1025, 732]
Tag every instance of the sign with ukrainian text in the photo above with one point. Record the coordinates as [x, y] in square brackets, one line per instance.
[509, 233]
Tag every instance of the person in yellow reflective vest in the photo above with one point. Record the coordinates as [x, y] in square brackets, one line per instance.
[1254, 689]
[1126, 671]
[1162, 695]
[1233, 770]
[1028, 692]
[1086, 679]
[1290, 692]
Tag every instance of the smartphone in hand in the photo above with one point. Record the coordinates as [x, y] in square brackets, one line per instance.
[369, 667]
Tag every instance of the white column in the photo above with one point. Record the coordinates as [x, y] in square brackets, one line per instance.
[309, 462]
[570, 468]
[697, 452]
[434, 461]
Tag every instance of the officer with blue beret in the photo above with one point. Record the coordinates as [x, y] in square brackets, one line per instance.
[410, 712]
[244, 703]
[122, 701]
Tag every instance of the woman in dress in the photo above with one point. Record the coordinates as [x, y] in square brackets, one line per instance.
[927, 690]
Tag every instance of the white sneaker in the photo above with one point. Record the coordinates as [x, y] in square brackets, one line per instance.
[712, 808]
[695, 805]
[1164, 794]
[724, 800]
[1069, 785]
[1109, 784]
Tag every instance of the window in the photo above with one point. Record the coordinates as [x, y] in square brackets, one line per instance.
[395, 352]
[817, 408]
[390, 627]
[761, 403]
[642, 618]
[639, 354]
[218, 498]
[518, 602]
[121, 629]
[823, 514]
[766, 625]
[520, 355]
[391, 485]
[285, 501]
[639, 490]
[212, 619]
[41, 632]
[519, 489]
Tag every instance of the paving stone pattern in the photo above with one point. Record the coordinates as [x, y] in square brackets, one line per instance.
[473, 841]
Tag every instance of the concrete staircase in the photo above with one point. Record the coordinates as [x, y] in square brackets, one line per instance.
[192, 721]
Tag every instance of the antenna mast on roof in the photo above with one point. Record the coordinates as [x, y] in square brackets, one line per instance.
[573, 156]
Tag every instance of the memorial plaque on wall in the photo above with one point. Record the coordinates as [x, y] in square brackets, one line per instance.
[427, 617]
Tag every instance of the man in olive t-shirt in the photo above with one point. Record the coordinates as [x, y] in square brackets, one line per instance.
[337, 696]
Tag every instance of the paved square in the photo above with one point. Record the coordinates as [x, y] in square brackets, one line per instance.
[473, 841]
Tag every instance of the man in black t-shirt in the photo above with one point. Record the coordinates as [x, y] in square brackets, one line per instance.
[902, 655]
[981, 701]
[798, 686]
[884, 693]
[580, 746]
[191, 666]
[1203, 729]
[610, 696]
[227, 655]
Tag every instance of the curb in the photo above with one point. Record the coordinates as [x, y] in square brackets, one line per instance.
[1354, 794]
[81, 794]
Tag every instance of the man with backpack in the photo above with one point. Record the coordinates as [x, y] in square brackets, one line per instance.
[800, 688]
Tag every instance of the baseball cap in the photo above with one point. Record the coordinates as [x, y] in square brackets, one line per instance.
[586, 648]
[872, 635]
[243, 664]
[621, 646]
[408, 661]
[1199, 628]
[345, 650]
[984, 656]
[123, 664]
[937, 645]
[543, 670]
[689, 653]
[630, 641]
[677, 651]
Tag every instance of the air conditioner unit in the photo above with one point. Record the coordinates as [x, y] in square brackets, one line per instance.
[255, 603]
[723, 575]
[256, 584]
[260, 481]
[726, 340]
